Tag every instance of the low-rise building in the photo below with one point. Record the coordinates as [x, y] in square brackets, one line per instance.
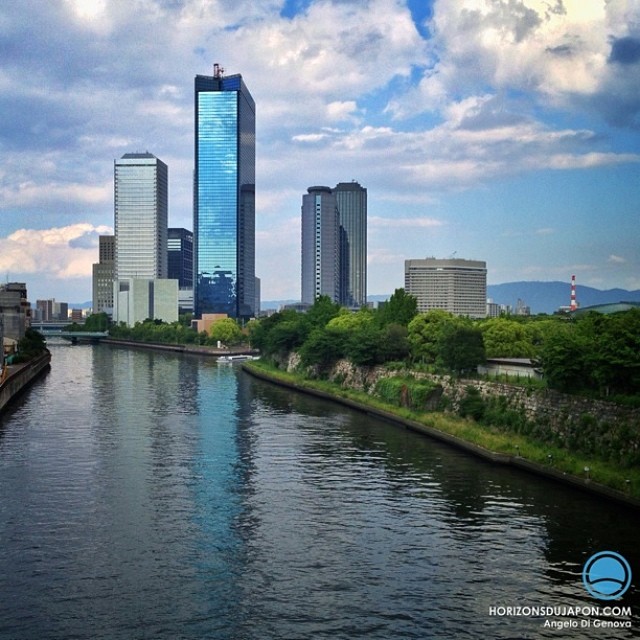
[136, 300]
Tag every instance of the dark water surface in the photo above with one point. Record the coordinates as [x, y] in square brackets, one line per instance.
[146, 495]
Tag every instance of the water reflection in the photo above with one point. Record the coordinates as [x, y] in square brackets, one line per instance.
[164, 496]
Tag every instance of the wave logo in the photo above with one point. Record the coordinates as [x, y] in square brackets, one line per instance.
[606, 575]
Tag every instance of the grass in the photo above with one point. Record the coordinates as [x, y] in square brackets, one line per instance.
[492, 439]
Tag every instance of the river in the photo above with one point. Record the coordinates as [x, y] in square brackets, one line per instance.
[164, 496]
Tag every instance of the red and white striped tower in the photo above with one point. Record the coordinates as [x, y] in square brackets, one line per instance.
[574, 303]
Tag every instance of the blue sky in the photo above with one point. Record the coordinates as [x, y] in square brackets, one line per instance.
[497, 130]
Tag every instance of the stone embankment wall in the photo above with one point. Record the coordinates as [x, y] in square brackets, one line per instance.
[561, 414]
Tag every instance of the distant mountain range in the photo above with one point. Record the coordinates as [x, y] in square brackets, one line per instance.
[540, 297]
[547, 297]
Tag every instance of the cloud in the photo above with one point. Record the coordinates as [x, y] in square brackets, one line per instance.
[565, 55]
[384, 223]
[480, 93]
[63, 252]
[616, 259]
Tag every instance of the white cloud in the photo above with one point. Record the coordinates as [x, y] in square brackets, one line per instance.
[558, 52]
[63, 252]
[616, 259]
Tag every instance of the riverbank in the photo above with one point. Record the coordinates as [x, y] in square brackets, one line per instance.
[183, 348]
[20, 376]
[591, 475]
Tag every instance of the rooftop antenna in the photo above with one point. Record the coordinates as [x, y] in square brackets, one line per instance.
[218, 71]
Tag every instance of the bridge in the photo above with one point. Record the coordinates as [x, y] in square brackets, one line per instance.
[74, 336]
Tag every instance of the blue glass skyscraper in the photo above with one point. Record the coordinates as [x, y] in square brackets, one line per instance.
[224, 196]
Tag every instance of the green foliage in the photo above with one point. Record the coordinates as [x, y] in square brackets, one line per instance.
[97, 322]
[158, 332]
[320, 348]
[563, 359]
[401, 308]
[225, 330]
[321, 312]
[364, 347]
[506, 338]
[461, 348]
[265, 335]
[472, 404]
[395, 344]
[405, 391]
[425, 332]
[94, 322]
[596, 354]
[30, 346]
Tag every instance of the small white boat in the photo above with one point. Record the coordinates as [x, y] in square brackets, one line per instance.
[237, 358]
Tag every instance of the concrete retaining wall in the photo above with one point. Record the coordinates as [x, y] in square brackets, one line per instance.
[21, 376]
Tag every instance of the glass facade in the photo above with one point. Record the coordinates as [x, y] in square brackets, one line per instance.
[351, 199]
[180, 254]
[141, 212]
[224, 197]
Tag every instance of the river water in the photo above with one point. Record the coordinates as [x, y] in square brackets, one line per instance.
[151, 495]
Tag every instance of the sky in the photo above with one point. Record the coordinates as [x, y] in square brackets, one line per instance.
[499, 130]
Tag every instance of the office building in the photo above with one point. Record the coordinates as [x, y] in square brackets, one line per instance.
[180, 257]
[44, 310]
[224, 196]
[15, 310]
[455, 285]
[141, 212]
[138, 299]
[141, 287]
[180, 263]
[321, 244]
[104, 275]
[351, 200]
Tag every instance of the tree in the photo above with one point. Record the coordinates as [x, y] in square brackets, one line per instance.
[461, 348]
[425, 332]
[506, 338]
[395, 345]
[399, 309]
[259, 332]
[225, 330]
[613, 359]
[322, 311]
[364, 345]
[287, 335]
[562, 358]
[319, 348]
[32, 344]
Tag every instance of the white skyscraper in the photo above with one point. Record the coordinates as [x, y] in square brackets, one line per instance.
[141, 287]
[141, 216]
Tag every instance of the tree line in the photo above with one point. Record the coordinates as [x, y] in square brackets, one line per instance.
[595, 354]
